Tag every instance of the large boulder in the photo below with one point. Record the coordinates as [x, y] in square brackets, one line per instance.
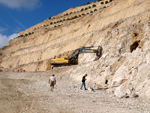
[120, 76]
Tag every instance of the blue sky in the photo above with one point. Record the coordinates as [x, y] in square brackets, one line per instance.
[18, 15]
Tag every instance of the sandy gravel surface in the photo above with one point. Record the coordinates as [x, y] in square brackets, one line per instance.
[30, 93]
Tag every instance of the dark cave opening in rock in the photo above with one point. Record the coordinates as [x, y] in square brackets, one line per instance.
[106, 81]
[134, 46]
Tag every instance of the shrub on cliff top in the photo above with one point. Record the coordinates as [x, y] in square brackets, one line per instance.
[86, 8]
[106, 2]
[95, 9]
[102, 2]
[94, 5]
[82, 9]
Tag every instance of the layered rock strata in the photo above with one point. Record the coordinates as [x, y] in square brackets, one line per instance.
[122, 29]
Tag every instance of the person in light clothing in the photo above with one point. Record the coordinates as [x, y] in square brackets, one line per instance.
[52, 81]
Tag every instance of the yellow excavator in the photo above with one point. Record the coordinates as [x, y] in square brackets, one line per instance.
[73, 58]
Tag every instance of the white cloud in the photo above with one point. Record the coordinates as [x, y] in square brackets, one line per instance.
[4, 39]
[30, 4]
[2, 29]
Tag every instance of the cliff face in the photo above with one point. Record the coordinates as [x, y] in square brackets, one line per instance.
[34, 47]
[122, 29]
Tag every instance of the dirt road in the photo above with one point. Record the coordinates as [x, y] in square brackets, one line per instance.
[30, 93]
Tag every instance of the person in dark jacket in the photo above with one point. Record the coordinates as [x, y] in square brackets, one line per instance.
[83, 82]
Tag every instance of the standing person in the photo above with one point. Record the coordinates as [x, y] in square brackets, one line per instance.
[83, 82]
[52, 81]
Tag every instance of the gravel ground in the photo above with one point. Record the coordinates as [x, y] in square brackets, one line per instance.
[30, 93]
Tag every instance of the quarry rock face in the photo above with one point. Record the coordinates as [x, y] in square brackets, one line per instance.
[122, 29]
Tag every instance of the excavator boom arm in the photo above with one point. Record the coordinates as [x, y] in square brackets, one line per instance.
[74, 55]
